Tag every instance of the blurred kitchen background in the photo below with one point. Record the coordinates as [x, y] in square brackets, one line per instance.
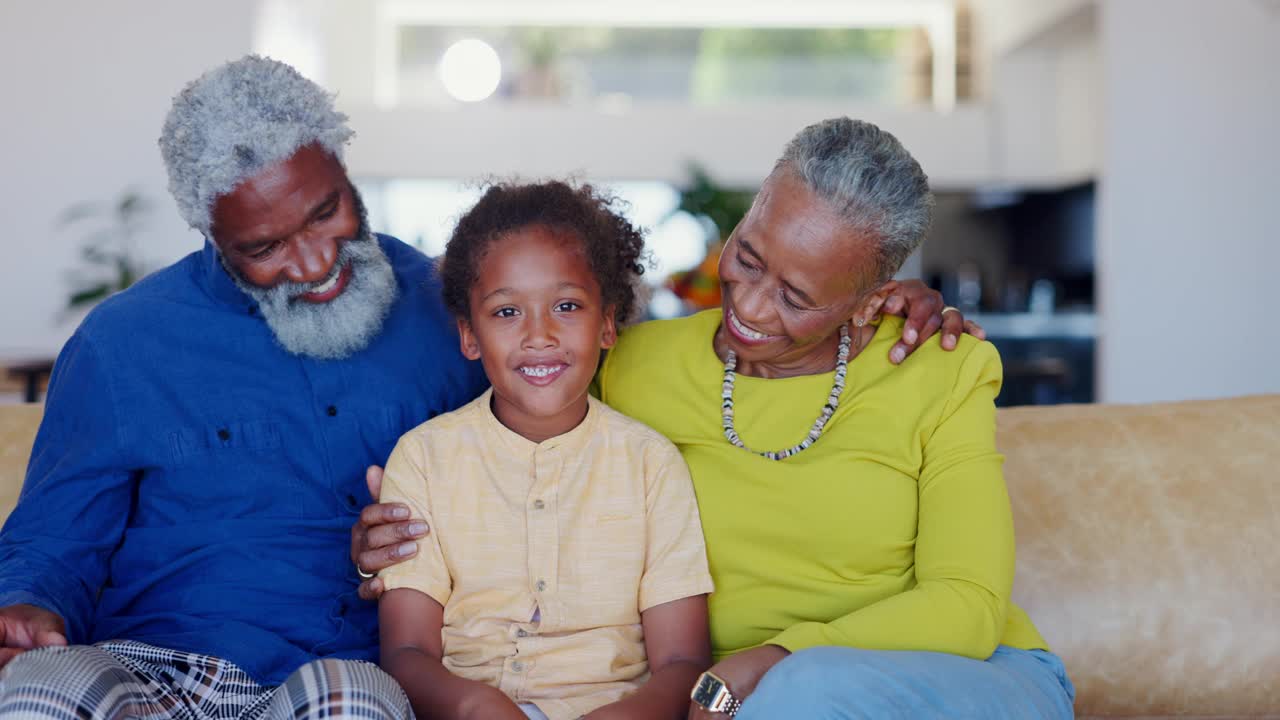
[1105, 170]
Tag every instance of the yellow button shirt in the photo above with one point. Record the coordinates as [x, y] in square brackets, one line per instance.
[892, 532]
[545, 554]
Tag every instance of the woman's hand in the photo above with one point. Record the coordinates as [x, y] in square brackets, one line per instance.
[923, 308]
[741, 673]
[383, 536]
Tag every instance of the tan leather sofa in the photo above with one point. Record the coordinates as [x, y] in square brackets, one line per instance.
[1148, 548]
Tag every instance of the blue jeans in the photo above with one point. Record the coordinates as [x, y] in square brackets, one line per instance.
[836, 683]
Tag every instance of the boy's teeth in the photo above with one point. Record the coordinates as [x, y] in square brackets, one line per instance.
[539, 370]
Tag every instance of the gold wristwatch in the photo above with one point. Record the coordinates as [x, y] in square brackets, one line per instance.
[711, 694]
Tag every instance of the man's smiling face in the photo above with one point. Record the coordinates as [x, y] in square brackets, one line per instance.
[295, 239]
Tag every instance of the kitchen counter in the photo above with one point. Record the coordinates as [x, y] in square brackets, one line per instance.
[1075, 325]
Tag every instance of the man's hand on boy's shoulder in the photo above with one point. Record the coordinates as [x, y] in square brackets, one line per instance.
[383, 536]
[27, 627]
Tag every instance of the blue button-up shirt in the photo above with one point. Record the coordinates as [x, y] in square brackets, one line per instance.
[193, 485]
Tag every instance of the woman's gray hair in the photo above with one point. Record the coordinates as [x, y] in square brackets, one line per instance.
[870, 179]
[236, 120]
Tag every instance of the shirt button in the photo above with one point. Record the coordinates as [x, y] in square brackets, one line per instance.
[332, 410]
[253, 310]
[538, 504]
[351, 502]
[522, 633]
[224, 434]
[541, 585]
[517, 666]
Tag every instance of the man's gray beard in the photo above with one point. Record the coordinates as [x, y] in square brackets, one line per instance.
[346, 324]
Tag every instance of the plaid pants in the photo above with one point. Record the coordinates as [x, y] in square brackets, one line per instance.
[124, 679]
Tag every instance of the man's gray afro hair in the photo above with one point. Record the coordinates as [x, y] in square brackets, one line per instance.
[236, 120]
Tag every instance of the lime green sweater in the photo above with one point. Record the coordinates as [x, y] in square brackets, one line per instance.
[892, 532]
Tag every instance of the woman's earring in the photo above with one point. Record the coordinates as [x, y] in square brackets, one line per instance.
[858, 322]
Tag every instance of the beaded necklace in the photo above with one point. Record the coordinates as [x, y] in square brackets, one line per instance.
[815, 432]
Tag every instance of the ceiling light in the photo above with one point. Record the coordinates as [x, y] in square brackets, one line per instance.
[470, 70]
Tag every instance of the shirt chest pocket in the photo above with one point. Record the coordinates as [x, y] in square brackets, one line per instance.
[608, 551]
[223, 470]
[221, 440]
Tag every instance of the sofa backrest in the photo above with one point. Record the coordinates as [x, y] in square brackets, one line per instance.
[1149, 551]
[18, 424]
[1148, 547]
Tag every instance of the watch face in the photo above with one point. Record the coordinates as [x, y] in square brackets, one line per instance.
[708, 688]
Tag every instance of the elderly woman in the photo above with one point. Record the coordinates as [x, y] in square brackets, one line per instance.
[857, 523]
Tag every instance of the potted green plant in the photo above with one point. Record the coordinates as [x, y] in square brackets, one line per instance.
[108, 250]
[720, 210]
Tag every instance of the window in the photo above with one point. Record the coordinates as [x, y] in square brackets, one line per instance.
[693, 51]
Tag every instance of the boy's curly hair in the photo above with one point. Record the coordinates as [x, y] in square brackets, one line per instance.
[613, 246]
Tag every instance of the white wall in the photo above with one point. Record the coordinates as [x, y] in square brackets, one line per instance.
[1188, 245]
[1009, 25]
[86, 86]
[1043, 80]
[1078, 80]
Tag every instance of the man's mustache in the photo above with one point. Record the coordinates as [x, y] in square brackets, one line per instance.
[295, 291]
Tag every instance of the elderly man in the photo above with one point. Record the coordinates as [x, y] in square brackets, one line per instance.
[190, 496]
[188, 507]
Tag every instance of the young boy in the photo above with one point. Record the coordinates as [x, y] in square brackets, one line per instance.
[565, 574]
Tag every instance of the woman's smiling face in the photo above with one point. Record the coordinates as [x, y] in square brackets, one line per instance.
[792, 273]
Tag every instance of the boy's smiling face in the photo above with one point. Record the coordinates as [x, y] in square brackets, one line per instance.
[537, 325]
